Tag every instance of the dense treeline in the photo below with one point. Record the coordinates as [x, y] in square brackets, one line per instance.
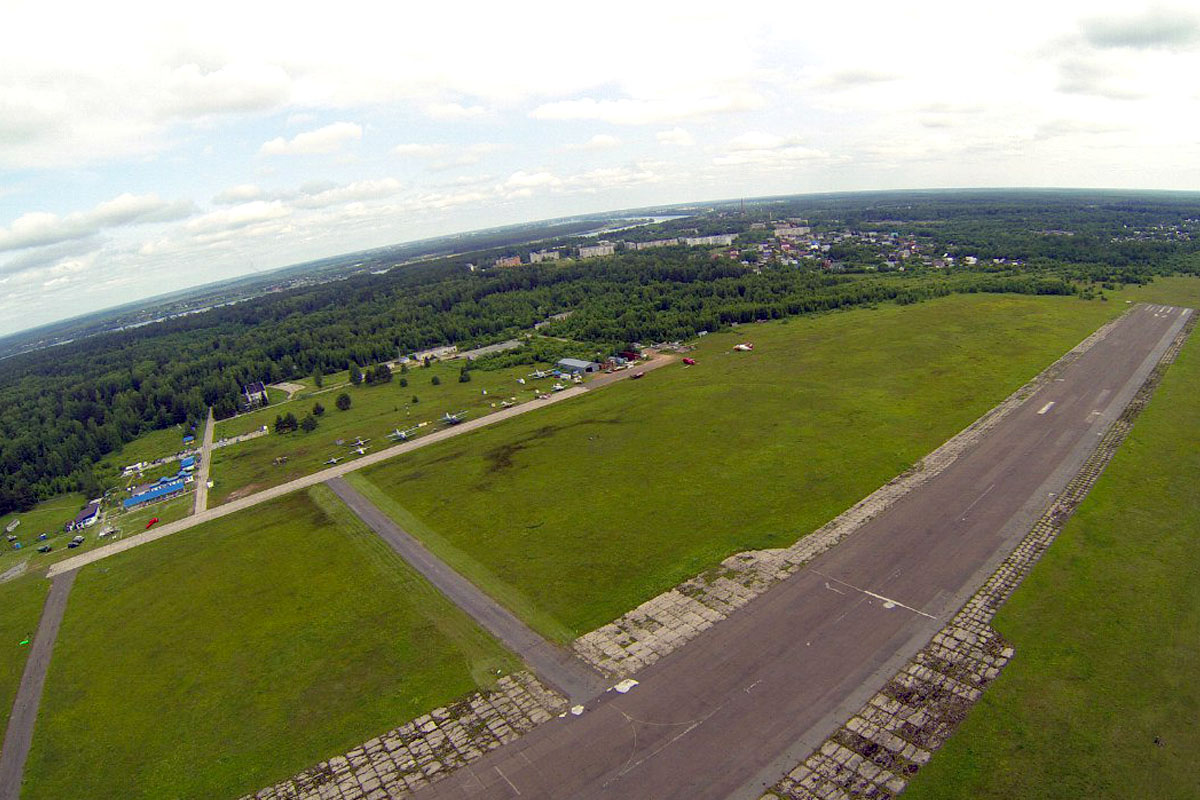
[64, 408]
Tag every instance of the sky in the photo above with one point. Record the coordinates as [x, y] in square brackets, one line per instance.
[146, 148]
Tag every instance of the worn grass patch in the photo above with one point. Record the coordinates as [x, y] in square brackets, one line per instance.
[588, 508]
[231, 656]
[1101, 699]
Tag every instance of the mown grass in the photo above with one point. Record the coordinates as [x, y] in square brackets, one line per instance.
[21, 601]
[586, 509]
[375, 411]
[233, 655]
[1102, 699]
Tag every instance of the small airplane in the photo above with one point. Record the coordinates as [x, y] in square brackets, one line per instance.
[334, 460]
[540, 374]
[452, 419]
[151, 522]
[398, 435]
[558, 387]
[507, 404]
[744, 347]
[362, 451]
[521, 381]
[359, 442]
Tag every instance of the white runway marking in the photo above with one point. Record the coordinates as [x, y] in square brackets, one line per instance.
[1047, 407]
[977, 499]
[506, 780]
[888, 602]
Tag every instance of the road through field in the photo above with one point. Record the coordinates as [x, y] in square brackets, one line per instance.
[19, 735]
[724, 716]
[315, 478]
[201, 481]
[554, 665]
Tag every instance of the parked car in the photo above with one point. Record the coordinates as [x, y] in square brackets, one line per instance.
[636, 375]
[45, 548]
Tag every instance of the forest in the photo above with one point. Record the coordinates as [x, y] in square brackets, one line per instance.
[63, 408]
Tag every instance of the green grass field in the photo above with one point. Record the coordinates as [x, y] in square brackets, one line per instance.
[47, 517]
[575, 514]
[21, 601]
[375, 411]
[233, 655]
[1107, 634]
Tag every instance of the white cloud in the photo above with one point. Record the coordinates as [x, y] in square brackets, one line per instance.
[454, 111]
[757, 147]
[241, 193]
[239, 216]
[418, 150]
[328, 139]
[601, 141]
[350, 193]
[39, 228]
[236, 87]
[676, 137]
[631, 111]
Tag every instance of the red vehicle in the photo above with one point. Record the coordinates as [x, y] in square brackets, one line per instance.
[151, 522]
[636, 375]
[691, 362]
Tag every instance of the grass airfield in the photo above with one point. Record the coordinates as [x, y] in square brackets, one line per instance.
[224, 658]
[576, 514]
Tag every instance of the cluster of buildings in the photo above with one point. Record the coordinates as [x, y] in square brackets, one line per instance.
[608, 248]
[164, 488]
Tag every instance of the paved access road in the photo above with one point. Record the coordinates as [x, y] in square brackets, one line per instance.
[201, 481]
[554, 665]
[724, 716]
[19, 735]
[159, 532]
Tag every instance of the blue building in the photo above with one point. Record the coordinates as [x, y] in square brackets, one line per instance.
[159, 492]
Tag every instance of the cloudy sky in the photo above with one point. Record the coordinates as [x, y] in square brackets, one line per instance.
[144, 149]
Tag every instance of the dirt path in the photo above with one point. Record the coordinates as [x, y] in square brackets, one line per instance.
[19, 735]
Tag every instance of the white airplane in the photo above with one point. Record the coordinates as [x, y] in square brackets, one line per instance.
[403, 436]
[540, 374]
[558, 387]
[362, 451]
[359, 442]
[334, 460]
[745, 347]
[452, 419]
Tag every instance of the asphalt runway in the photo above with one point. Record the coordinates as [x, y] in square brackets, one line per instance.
[724, 716]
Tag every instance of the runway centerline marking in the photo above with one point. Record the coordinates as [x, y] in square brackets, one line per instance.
[977, 499]
[1047, 407]
[888, 602]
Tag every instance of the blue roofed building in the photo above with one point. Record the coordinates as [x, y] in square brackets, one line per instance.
[161, 491]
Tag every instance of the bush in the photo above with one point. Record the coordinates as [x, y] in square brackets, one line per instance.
[343, 402]
[318, 409]
[436, 381]
[403, 382]
[308, 424]
[356, 376]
